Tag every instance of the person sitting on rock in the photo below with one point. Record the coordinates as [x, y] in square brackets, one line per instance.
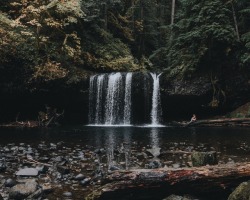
[193, 119]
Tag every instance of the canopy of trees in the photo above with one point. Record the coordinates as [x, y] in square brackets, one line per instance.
[42, 41]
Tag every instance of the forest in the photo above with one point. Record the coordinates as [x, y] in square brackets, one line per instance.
[51, 44]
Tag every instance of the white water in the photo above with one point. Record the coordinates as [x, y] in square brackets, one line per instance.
[91, 97]
[127, 99]
[156, 101]
[112, 99]
[98, 110]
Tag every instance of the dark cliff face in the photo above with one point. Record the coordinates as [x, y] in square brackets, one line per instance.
[180, 98]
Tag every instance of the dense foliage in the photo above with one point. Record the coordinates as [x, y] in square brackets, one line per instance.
[43, 41]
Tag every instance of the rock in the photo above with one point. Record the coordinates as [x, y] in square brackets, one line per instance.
[204, 158]
[113, 168]
[9, 182]
[63, 169]
[47, 187]
[85, 181]
[176, 197]
[79, 177]
[27, 172]
[21, 191]
[2, 166]
[154, 151]
[241, 192]
[67, 194]
[154, 164]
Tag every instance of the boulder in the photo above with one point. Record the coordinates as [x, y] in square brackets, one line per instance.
[242, 192]
[23, 190]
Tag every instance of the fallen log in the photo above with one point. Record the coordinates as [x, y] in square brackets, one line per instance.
[215, 180]
[216, 122]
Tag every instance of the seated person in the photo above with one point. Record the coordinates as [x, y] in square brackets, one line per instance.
[193, 119]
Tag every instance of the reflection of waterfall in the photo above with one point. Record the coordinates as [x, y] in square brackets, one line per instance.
[127, 101]
[154, 142]
[127, 147]
[156, 100]
[110, 143]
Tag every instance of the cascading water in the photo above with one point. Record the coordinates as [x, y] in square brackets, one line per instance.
[98, 110]
[156, 100]
[127, 99]
[112, 106]
[110, 99]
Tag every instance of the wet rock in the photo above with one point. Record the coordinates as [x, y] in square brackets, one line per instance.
[9, 182]
[67, 194]
[241, 192]
[154, 151]
[2, 166]
[63, 169]
[79, 177]
[44, 159]
[204, 158]
[41, 168]
[27, 172]
[85, 181]
[176, 197]
[114, 168]
[47, 188]
[154, 164]
[21, 191]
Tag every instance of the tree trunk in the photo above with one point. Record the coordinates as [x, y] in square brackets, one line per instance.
[235, 22]
[206, 180]
[172, 12]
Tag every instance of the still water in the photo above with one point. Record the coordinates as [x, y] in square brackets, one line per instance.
[230, 143]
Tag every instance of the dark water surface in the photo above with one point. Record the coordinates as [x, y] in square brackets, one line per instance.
[226, 140]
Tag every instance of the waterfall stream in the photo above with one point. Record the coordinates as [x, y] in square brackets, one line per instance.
[156, 100]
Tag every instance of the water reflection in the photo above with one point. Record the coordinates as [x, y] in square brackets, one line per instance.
[154, 142]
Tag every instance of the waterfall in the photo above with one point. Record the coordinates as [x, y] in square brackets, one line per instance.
[111, 96]
[91, 98]
[98, 110]
[156, 100]
[127, 99]
[112, 99]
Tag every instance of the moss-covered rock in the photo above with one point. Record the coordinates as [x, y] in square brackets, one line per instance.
[242, 192]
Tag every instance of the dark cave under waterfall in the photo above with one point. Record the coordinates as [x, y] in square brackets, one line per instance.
[124, 99]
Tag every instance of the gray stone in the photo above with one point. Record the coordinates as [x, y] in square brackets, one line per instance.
[154, 151]
[67, 194]
[21, 191]
[9, 182]
[27, 172]
[79, 177]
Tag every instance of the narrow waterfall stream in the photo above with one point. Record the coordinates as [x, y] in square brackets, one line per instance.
[156, 100]
[127, 99]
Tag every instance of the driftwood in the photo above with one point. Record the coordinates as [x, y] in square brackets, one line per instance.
[216, 122]
[206, 180]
